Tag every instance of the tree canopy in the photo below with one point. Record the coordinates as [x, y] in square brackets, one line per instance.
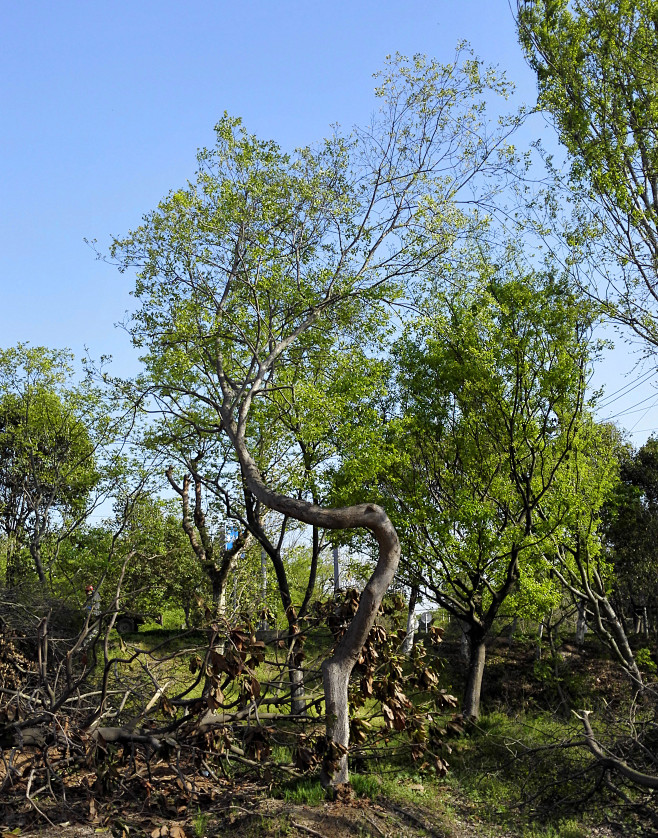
[48, 461]
[598, 80]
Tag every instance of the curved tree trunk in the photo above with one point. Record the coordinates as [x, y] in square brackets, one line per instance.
[337, 669]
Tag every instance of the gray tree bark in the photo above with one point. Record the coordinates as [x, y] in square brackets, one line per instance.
[471, 703]
[464, 643]
[337, 669]
[408, 644]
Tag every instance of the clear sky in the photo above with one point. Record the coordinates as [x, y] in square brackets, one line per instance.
[103, 105]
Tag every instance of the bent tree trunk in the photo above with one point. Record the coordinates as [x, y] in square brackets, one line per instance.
[337, 669]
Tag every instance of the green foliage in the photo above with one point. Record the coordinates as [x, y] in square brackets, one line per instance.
[264, 282]
[163, 571]
[266, 288]
[631, 527]
[49, 463]
[490, 400]
[584, 490]
[645, 661]
[160, 570]
[595, 63]
[297, 559]
[598, 78]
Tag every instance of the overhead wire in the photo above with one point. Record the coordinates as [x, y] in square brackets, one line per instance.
[643, 415]
[606, 401]
[633, 408]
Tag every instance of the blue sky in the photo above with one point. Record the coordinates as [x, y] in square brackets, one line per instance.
[103, 105]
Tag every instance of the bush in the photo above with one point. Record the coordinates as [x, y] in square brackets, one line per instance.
[645, 661]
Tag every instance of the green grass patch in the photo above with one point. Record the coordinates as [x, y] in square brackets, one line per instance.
[365, 785]
[305, 790]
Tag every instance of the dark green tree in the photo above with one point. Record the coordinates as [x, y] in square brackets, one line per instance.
[48, 464]
[631, 528]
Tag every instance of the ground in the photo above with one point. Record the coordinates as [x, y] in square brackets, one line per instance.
[248, 811]
[125, 797]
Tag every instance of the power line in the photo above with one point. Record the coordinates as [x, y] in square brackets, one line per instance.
[642, 417]
[625, 390]
[632, 408]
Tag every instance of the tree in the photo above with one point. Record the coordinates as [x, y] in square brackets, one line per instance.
[47, 454]
[597, 74]
[631, 531]
[269, 257]
[579, 559]
[212, 468]
[202, 541]
[164, 571]
[491, 402]
[598, 78]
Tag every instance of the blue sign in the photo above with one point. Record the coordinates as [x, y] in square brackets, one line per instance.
[231, 535]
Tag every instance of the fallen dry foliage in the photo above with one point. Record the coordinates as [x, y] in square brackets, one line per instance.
[93, 730]
[247, 810]
[241, 809]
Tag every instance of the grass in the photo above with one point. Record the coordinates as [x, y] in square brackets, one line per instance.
[521, 765]
[309, 791]
[514, 770]
[200, 824]
[515, 774]
[303, 791]
[564, 829]
[366, 785]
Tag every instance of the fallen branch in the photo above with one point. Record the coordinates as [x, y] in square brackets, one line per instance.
[306, 829]
[31, 802]
[424, 824]
[647, 781]
[240, 755]
[125, 736]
